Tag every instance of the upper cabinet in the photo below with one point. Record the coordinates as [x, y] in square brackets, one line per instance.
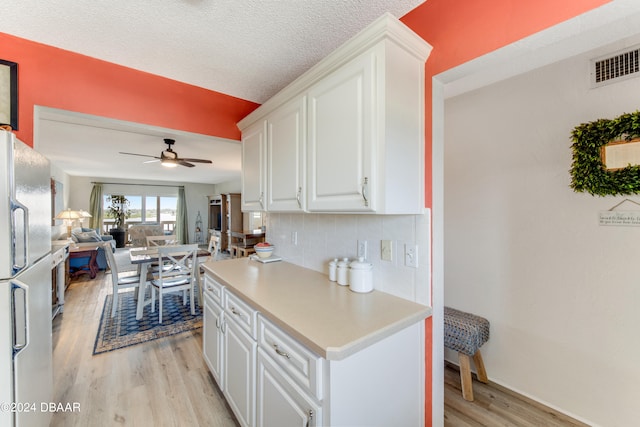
[346, 136]
[286, 137]
[254, 167]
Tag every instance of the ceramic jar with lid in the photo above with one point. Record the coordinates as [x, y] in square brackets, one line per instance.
[343, 272]
[361, 276]
[333, 270]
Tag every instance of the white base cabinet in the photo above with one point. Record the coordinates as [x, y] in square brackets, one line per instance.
[271, 380]
[280, 401]
[239, 372]
[212, 341]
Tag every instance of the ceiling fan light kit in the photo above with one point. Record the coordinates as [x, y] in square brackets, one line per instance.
[169, 158]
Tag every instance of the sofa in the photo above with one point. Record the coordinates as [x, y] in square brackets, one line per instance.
[89, 237]
[138, 233]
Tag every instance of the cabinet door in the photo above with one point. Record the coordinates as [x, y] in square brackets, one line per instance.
[279, 401]
[239, 372]
[286, 132]
[212, 338]
[341, 138]
[253, 168]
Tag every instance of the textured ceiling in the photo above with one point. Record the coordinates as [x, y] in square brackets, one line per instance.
[249, 49]
[245, 48]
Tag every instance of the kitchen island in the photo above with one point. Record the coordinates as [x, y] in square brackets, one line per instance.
[289, 347]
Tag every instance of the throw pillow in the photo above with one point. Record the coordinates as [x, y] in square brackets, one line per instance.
[87, 236]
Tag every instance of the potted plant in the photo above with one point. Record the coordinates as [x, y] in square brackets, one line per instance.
[119, 211]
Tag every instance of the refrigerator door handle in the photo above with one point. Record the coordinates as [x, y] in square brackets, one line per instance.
[19, 312]
[15, 207]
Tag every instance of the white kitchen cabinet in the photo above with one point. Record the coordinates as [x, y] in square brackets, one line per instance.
[365, 127]
[239, 372]
[254, 168]
[366, 135]
[212, 341]
[286, 137]
[271, 377]
[280, 402]
[339, 162]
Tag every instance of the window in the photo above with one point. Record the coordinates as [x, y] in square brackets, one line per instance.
[147, 209]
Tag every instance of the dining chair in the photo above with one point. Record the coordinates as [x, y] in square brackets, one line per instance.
[181, 276]
[128, 279]
[162, 240]
[214, 246]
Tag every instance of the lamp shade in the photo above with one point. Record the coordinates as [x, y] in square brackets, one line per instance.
[84, 214]
[68, 214]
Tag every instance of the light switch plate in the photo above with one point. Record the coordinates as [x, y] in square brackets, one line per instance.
[411, 255]
[386, 250]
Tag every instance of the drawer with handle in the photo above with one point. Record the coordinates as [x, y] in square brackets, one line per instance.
[241, 313]
[301, 364]
[213, 288]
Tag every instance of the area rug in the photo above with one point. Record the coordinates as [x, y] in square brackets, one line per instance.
[123, 330]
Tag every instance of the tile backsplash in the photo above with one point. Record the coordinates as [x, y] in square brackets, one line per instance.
[312, 240]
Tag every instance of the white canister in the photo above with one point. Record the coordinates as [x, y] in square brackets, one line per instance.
[361, 276]
[333, 270]
[343, 269]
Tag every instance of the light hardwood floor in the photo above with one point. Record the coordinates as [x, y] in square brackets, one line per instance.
[495, 405]
[159, 383]
[166, 382]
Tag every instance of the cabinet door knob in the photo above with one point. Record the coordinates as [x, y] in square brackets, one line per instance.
[298, 194]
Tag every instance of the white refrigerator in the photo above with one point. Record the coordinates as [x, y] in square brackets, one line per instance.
[26, 373]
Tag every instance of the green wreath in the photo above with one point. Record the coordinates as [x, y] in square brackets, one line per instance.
[588, 172]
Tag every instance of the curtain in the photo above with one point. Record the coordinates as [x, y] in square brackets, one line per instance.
[182, 225]
[95, 208]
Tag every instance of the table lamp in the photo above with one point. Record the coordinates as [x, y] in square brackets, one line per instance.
[68, 216]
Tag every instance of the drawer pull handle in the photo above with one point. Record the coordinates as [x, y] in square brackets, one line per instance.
[234, 311]
[280, 352]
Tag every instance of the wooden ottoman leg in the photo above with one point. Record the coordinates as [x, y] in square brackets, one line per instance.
[465, 376]
[482, 373]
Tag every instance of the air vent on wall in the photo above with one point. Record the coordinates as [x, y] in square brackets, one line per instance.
[613, 68]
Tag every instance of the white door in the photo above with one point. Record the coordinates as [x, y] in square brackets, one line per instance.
[286, 132]
[239, 372]
[279, 401]
[212, 339]
[341, 137]
[253, 168]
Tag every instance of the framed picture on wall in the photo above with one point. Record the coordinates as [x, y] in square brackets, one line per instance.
[9, 94]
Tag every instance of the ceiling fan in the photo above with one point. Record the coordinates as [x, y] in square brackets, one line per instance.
[169, 158]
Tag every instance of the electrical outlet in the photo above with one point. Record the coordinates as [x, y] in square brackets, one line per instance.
[294, 238]
[386, 250]
[411, 255]
[362, 249]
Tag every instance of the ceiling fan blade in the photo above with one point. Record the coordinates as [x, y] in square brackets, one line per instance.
[142, 155]
[183, 163]
[197, 160]
[152, 161]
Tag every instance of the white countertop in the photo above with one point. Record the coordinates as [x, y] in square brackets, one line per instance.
[329, 319]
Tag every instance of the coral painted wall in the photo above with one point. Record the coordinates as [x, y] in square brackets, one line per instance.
[57, 78]
[462, 30]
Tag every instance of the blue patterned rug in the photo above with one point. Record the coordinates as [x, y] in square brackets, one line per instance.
[123, 330]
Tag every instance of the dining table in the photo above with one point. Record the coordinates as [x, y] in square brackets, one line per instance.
[247, 236]
[143, 257]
